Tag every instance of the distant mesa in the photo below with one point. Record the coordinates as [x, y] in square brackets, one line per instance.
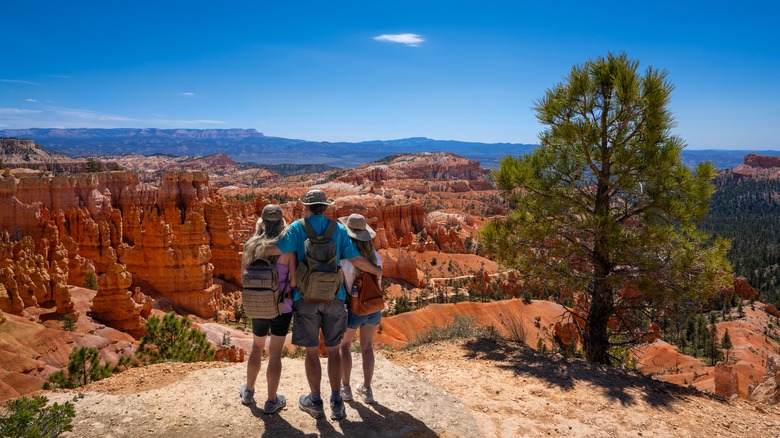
[762, 161]
[758, 166]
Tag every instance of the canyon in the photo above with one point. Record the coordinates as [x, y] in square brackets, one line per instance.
[166, 233]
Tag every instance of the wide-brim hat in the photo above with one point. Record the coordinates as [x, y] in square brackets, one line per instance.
[357, 228]
[271, 212]
[316, 197]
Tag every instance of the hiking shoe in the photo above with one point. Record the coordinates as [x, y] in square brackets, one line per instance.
[337, 410]
[346, 393]
[271, 407]
[313, 408]
[366, 393]
[247, 396]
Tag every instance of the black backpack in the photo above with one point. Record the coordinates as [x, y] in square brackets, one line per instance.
[261, 295]
[319, 275]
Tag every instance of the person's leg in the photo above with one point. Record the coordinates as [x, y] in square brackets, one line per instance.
[254, 363]
[367, 353]
[334, 368]
[313, 369]
[334, 324]
[346, 356]
[273, 372]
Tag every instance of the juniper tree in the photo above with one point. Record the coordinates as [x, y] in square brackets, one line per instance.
[606, 201]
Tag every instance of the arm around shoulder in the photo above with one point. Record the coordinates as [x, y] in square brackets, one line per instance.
[364, 265]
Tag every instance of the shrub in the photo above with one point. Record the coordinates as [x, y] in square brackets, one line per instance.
[68, 322]
[90, 281]
[28, 417]
[462, 326]
[514, 326]
[173, 339]
[84, 367]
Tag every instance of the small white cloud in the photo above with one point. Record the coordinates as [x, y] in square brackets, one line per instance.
[187, 94]
[17, 111]
[18, 81]
[410, 39]
[31, 100]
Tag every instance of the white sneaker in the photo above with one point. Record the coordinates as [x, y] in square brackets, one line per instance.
[366, 393]
[346, 393]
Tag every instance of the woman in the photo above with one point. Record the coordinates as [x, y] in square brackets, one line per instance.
[361, 234]
[268, 230]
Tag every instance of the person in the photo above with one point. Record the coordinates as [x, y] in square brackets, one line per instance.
[270, 227]
[310, 318]
[362, 235]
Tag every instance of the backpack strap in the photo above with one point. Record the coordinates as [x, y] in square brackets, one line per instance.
[311, 234]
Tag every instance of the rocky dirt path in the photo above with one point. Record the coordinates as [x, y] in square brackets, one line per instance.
[458, 389]
[179, 400]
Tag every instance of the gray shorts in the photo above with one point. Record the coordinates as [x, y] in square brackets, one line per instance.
[309, 318]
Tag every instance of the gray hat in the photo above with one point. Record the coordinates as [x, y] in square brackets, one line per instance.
[357, 228]
[316, 197]
[271, 212]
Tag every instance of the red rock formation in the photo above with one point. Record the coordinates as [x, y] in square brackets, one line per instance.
[567, 334]
[229, 354]
[744, 289]
[400, 264]
[726, 380]
[762, 161]
[115, 306]
[772, 310]
[768, 390]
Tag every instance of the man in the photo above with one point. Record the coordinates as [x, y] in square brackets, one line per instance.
[331, 318]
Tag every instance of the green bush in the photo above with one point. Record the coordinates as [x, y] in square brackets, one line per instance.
[29, 417]
[84, 367]
[90, 281]
[461, 326]
[173, 339]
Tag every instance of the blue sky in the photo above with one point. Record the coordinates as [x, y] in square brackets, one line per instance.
[367, 70]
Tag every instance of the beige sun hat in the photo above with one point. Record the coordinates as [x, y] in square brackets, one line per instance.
[316, 197]
[357, 228]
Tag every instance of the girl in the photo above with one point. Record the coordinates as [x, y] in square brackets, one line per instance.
[268, 230]
[361, 234]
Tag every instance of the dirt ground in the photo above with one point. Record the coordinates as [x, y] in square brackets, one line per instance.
[466, 388]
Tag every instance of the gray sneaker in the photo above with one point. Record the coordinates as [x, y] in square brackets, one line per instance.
[247, 396]
[271, 407]
[346, 393]
[366, 393]
[337, 410]
[311, 407]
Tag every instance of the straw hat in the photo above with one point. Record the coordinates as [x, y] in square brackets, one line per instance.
[357, 228]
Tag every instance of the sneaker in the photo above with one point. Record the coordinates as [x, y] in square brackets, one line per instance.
[337, 410]
[366, 393]
[313, 408]
[247, 396]
[346, 393]
[271, 407]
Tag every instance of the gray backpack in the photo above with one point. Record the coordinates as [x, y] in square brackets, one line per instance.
[261, 295]
[319, 275]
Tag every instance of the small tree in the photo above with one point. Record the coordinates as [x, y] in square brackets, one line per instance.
[90, 281]
[84, 367]
[726, 344]
[173, 339]
[68, 322]
[94, 165]
[712, 345]
[29, 417]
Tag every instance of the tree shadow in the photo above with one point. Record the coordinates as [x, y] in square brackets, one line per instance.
[564, 372]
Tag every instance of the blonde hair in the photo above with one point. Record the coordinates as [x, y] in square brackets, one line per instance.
[266, 233]
[366, 249]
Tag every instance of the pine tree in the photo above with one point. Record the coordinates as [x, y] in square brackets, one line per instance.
[84, 367]
[606, 200]
[90, 281]
[173, 339]
[726, 344]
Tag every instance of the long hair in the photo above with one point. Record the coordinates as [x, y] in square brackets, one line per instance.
[366, 249]
[266, 233]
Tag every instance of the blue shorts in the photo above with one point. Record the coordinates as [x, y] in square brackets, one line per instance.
[355, 321]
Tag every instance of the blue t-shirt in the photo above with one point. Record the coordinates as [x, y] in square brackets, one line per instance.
[295, 237]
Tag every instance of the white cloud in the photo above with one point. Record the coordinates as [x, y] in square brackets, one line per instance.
[93, 115]
[187, 94]
[17, 111]
[18, 81]
[410, 39]
[31, 100]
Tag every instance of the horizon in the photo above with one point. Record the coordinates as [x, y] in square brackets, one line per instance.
[363, 72]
